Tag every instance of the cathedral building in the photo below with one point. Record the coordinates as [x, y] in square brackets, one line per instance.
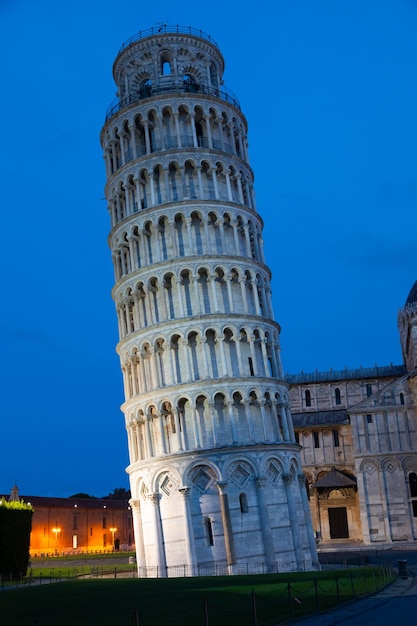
[215, 469]
[358, 432]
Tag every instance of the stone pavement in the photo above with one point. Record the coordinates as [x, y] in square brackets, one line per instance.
[396, 605]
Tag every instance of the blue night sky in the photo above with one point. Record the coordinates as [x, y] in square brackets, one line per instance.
[330, 93]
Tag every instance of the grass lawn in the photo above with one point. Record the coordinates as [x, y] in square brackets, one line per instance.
[209, 601]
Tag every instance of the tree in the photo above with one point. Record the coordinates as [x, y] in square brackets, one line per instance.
[82, 495]
[15, 527]
[120, 493]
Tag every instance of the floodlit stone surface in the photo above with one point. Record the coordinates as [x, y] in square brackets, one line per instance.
[215, 471]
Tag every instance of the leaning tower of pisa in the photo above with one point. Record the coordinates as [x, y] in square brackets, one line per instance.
[214, 469]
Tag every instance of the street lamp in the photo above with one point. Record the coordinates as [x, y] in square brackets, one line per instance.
[56, 530]
[112, 530]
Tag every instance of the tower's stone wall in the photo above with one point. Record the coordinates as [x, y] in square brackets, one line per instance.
[215, 470]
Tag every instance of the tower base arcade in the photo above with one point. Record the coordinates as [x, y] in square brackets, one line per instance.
[230, 512]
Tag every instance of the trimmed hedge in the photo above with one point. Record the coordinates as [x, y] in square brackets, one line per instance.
[15, 527]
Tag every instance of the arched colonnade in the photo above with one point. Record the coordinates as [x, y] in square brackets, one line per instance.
[202, 354]
[190, 123]
[158, 238]
[225, 418]
[188, 292]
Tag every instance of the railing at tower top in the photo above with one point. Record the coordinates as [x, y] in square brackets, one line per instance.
[167, 29]
[151, 90]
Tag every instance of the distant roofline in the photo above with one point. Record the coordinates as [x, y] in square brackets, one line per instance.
[320, 418]
[385, 371]
[79, 503]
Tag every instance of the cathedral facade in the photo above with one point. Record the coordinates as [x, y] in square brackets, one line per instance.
[358, 432]
[215, 470]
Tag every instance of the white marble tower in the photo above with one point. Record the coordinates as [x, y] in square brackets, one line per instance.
[215, 471]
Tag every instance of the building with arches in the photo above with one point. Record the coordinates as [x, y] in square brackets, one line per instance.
[358, 432]
[215, 470]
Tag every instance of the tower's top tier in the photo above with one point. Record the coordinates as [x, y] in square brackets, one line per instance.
[161, 60]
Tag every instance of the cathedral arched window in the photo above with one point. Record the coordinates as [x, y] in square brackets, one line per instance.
[307, 396]
[337, 396]
[412, 483]
[412, 479]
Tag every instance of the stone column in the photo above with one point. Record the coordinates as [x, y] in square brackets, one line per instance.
[149, 446]
[267, 537]
[236, 339]
[228, 280]
[216, 187]
[288, 480]
[178, 430]
[139, 441]
[213, 423]
[159, 555]
[212, 281]
[307, 520]
[147, 137]
[228, 186]
[263, 415]
[219, 341]
[203, 343]
[289, 423]
[242, 282]
[200, 187]
[235, 437]
[196, 426]
[132, 130]
[284, 422]
[208, 127]
[132, 443]
[247, 239]
[188, 530]
[137, 528]
[177, 130]
[227, 524]
[162, 433]
[363, 497]
[249, 421]
[193, 130]
[251, 341]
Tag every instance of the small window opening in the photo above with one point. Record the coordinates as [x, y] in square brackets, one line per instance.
[297, 437]
[369, 419]
[337, 396]
[243, 501]
[336, 438]
[368, 390]
[209, 531]
[402, 398]
[316, 439]
[252, 371]
[308, 397]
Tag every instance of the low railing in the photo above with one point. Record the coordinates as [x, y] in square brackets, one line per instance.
[163, 29]
[151, 90]
[292, 597]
